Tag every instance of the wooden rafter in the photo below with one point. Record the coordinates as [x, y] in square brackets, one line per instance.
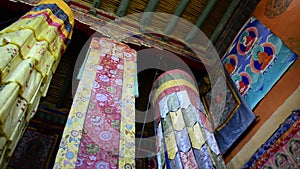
[151, 7]
[224, 20]
[201, 20]
[179, 10]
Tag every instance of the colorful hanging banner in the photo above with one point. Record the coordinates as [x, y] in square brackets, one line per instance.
[256, 60]
[282, 149]
[100, 130]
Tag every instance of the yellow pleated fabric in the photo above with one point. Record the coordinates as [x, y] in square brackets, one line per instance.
[9, 94]
[30, 51]
[32, 86]
[15, 113]
[20, 74]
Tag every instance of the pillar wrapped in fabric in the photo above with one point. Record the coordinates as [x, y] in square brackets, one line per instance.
[30, 51]
[100, 130]
[184, 134]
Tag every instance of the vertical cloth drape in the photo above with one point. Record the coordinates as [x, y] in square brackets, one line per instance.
[30, 50]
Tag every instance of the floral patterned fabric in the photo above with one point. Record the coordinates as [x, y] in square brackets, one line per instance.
[100, 130]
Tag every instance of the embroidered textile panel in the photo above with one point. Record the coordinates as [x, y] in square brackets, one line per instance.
[230, 123]
[100, 129]
[256, 60]
[281, 150]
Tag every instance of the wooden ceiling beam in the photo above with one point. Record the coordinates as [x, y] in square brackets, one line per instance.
[123, 7]
[230, 10]
[173, 21]
[200, 20]
[151, 7]
[96, 3]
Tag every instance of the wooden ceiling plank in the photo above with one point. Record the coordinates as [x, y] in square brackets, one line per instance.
[224, 20]
[200, 20]
[173, 21]
[151, 7]
[123, 7]
[96, 3]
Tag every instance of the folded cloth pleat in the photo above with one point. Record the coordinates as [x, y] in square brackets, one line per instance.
[30, 51]
[9, 94]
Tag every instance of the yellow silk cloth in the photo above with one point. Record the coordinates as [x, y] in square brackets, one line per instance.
[14, 115]
[3, 147]
[30, 51]
[9, 94]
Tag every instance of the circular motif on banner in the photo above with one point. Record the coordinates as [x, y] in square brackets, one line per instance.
[231, 63]
[95, 45]
[96, 85]
[114, 58]
[83, 99]
[275, 8]
[102, 165]
[105, 135]
[74, 133]
[79, 114]
[70, 155]
[127, 166]
[111, 89]
[99, 67]
[262, 57]
[113, 72]
[92, 148]
[242, 82]
[247, 40]
[109, 110]
[128, 55]
[101, 97]
[104, 78]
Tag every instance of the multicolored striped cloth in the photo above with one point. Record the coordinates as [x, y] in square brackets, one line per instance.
[184, 135]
